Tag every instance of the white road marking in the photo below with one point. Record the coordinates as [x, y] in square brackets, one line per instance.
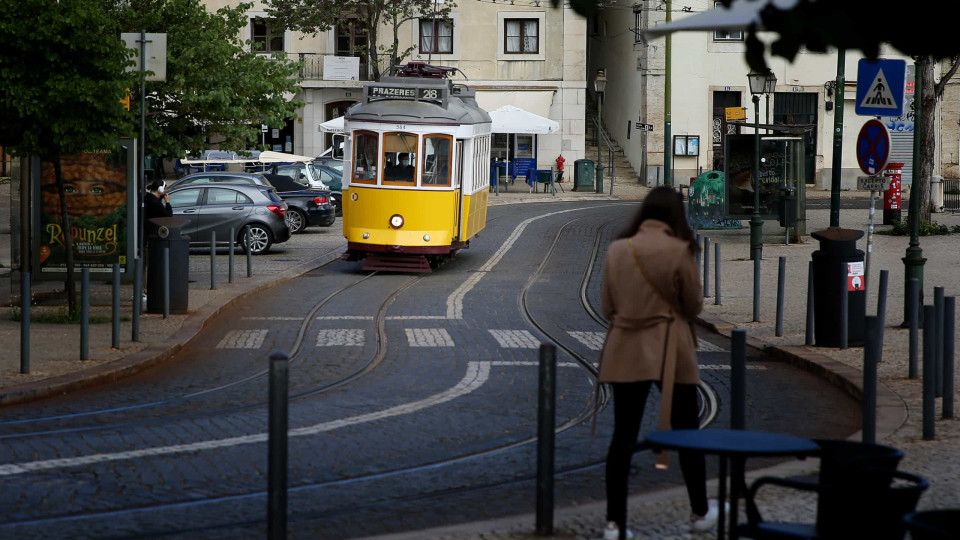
[428, 337]
[278, 318]
[508, 363]
[340, 336]
[709, 347]
[515, 339]
[593, 340]
[243, 339]
[476, 375]
[726, 367]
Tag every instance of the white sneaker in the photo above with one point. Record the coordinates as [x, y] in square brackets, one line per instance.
[612, 532]
[703, 523]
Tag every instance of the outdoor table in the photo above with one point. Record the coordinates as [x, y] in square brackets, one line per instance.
[734, 444]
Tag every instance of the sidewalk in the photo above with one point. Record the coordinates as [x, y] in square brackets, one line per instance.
[661, 514]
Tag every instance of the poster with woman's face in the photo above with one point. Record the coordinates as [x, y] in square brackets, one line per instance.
[95, 192]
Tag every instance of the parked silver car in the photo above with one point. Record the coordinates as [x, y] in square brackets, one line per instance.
[219, 207]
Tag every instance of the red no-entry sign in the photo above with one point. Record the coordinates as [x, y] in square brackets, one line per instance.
[873, 147]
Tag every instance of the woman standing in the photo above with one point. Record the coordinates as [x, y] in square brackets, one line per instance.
[651, 290]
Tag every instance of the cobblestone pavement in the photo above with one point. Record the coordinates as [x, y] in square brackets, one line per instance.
[660, 514]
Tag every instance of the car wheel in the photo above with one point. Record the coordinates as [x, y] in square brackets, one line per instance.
[339, 206]
[260, 239]
[295, 220]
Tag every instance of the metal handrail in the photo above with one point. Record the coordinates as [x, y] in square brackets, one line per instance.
[604, 138]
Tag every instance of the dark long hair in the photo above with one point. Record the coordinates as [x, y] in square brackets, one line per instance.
[666, 205]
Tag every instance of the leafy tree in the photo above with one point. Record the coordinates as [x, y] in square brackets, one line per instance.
[216, 84]
[61, 81]
[370, 16]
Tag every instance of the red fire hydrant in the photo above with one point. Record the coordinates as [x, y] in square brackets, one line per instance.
[560, 162]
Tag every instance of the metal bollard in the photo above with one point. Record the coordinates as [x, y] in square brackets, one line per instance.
[137, 299]
[166, 281]
[706, 266]
[949, 333]
[246, 236]
[870, 358]
[25, 322]
[881, 312]
[913, 318]
[716, 274]
[809, 333]
[738, 378]
[697, 238]
[756, 290]
[277, 448]
[844, 313]
[233, 236]
[115, 307]
[213, 260]
[781, 278]
[929, 373]
[938, 346]
[546, 418]
[85, 314]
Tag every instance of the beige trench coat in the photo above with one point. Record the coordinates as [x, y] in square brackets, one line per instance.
[636, 341]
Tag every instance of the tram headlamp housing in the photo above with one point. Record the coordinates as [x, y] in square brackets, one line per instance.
[426, 238]
[366, 235]
[396, 221]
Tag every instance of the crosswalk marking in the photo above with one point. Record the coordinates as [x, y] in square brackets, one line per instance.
[593, 340]
[428, 337]
[515, 339]
[507, 363]
[242, 339]
[709, 347]
[340, 337]
[726, 367]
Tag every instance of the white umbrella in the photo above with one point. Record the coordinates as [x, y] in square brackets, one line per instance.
[510, 119]
[739, 16]
[333, 126]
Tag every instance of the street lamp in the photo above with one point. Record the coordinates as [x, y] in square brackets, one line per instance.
[760, 83]
[599, 85]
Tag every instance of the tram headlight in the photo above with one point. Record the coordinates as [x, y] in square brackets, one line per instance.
[396, 221]
[366, 235]
[426, 238]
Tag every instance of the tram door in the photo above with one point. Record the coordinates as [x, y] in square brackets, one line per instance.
[458, 191]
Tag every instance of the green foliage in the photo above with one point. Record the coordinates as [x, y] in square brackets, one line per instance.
[217, 85]
[902, 228]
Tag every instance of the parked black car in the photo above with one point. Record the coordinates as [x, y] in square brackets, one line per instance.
[305, 206]
[222, 206]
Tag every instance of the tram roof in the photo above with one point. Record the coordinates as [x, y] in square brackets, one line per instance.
[419, 100]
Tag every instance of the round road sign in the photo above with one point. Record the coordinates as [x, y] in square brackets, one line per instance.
[873, 147]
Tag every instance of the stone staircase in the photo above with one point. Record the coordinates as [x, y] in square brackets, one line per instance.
[623, 170]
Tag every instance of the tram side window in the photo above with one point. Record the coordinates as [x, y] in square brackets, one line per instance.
[436, 160]
[400, 158]
[366, 151]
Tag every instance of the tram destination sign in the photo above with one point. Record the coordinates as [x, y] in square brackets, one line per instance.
[415, 93]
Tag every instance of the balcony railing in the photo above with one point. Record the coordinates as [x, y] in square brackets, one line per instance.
[312, 69]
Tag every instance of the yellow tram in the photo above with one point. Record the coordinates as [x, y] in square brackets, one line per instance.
[417, 171]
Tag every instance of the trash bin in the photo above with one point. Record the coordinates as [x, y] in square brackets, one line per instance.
[788, 207]
[838, 257]
[583, 175]
[498, 171]
[167, 233]
[936, 193]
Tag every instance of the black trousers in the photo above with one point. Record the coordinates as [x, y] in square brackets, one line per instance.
[629, 400]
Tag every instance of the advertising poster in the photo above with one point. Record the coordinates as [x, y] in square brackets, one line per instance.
[739, 164]
[100, 191]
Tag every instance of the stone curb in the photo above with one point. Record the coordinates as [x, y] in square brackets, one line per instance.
[158, 352]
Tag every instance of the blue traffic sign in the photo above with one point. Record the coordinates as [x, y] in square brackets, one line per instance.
[873, 147]
[880, 87]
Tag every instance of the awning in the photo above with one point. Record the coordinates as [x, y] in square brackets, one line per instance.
[536, 101]
[332, 126]
[740, 15]
[510, 119]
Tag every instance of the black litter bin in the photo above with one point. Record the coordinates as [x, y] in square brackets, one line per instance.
[838, 248]
[583, 175]
[788, 207]
[166, 232]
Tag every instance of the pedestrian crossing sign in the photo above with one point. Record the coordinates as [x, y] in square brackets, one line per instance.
[880, 87]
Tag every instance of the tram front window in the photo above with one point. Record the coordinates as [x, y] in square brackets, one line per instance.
[436, 160]
[400, 158]
[366, 151]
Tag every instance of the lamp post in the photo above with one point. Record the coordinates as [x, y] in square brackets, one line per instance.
[760, 83]
[599, 85]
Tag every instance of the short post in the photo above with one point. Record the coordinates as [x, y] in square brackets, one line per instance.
[277, 448]
[870, 356]
[706, 266]
[938, 321]
[166, 281]
[738, 378]
[137, 298]
[213, 260]
[115, 307]
[913, 318]
[809, 332]
[546, 418]
[699, 243]
[756, 289]
[25, 322]
[929, 373]
[233, 236]
[85, 314]
[881, 312]
[844, 312]
[246, 236]
[949, 333]
[781, 278]
[716, 274]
